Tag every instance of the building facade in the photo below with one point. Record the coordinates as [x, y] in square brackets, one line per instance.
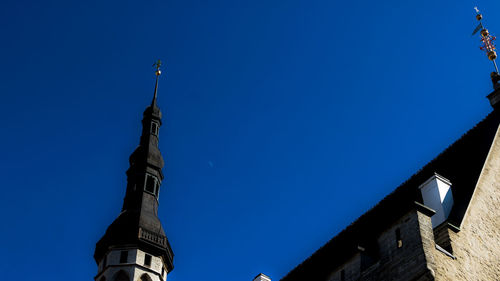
[135, 247]
[443, 223]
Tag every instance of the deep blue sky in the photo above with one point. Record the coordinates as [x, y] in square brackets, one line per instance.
[283, 121]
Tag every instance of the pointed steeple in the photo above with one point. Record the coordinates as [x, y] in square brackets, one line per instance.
[153, 108]
[138, 223]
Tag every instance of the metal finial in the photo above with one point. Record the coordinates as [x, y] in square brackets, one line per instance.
[478, 14]
[487, 39]
[156, 65]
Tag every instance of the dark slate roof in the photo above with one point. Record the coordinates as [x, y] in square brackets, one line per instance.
[138, 224]
[461, 163]
[126, 230]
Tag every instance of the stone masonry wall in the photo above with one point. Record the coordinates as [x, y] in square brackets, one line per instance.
[351, 270]
[408, 262]
[471, 254]
[134, 267]
[477, 245]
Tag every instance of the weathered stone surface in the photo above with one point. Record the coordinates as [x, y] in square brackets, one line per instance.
[477, 246]
[134, 268]
[394, 263]
[473, 251]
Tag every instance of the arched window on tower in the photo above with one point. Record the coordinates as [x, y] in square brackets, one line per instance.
[145, 277]
[121, 276]
[152, 184]
[155, 128]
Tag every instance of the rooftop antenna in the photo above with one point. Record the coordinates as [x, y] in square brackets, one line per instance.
[487, 41]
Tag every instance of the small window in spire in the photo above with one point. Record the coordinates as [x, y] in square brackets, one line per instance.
[154, 128]
[147, 260]
[150, 183]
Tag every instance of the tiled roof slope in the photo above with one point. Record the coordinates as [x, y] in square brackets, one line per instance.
[461, 163]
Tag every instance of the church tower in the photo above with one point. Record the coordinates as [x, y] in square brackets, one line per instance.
[135, 247]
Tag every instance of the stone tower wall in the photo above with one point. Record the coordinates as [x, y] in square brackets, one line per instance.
[476, 246]
[443, 253]
[135, 267]
[406, 262]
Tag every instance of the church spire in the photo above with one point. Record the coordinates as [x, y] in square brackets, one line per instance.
[138, 225]
[147, 161]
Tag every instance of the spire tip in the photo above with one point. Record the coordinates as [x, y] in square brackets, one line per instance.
[156, 65]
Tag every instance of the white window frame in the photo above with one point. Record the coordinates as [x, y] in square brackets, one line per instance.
[156, 185]
[155, 128]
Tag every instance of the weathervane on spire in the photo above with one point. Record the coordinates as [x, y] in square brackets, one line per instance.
[487, 41]
[156, 65]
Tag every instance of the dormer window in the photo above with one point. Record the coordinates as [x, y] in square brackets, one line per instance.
[155, 127]
[152, 184]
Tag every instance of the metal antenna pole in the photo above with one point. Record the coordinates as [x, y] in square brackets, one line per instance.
[495, 64]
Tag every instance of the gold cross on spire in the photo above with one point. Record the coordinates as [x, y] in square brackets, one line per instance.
[157, 65]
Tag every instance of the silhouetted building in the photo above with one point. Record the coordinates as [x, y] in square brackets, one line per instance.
[135, 247]
[443, 223]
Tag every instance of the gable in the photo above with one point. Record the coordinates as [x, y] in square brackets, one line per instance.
[461, 163]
